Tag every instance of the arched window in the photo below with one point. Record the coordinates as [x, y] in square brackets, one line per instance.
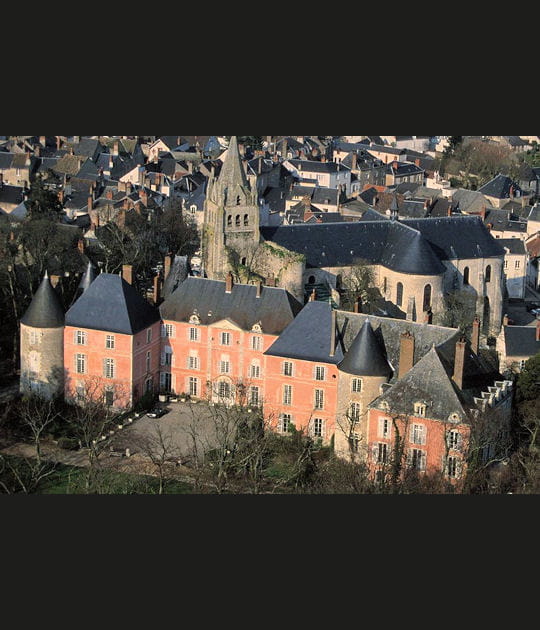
[488, 274]
[466, 274]
[244, 261]
[427, 297]
[229, 220]
[399, 298]
[237, 220]
[246, 220]
[311, 280]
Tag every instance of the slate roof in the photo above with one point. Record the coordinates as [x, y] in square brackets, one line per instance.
[45, 310]
[499, 187]
[88, 277]
[178, 273]
[274, 310]
[388, 333]
[458, 237]
[308, 337]
[390, 243]
[366, 356]
[310, 166]
[515, 245]
[111, 304]
[521, 341]
[428, 382]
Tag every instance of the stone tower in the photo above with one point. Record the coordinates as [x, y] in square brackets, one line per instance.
[231, 224]
[42, 344]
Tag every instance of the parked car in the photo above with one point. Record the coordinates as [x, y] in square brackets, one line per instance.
[532, 306]
[536, 312]
[158, 412]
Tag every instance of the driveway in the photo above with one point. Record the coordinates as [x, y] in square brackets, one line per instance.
[185, 432]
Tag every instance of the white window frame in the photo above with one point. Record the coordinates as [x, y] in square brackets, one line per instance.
[81, 338]
[287, 395]
[256, 343]
[355, 411]
[109, 368]
[193, 335]
[320, 373]
[149, 336]
[285, 421]
[417, 456]
[419, 434]
[319, 401]
[318, 427]
[255, 370]
[225, 339]
[110, 342]
[288, 366]
[356, 386]
[385, 428]
[81, 360]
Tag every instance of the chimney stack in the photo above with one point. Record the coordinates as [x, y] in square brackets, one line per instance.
[313, 296]
[459, 363]
[259, 288]
[358, 305]
[109, 195]
[229, 283]
[116, 148]
[168, 265]
[406, 354]
[127, 273]
[333, 334]
[506, 320]
[157, 290]
[61, 196]
[538, 330]
[55, 281]
[354, 166]
[475, 342]
[80, 245]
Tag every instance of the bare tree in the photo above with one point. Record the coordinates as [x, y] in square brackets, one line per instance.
[358, 283]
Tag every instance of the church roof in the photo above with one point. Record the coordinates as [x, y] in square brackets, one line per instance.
[408, 246]
[113, 305]
[45, 310]
[232, 173]
[366, 357]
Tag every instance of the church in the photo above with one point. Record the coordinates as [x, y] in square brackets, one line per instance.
[416, 263]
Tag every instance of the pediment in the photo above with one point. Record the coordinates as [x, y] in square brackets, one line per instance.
[226, 324]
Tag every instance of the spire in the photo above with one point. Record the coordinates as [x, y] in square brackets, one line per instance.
[45, 310]
[88, 277]
[365, 356]
[232, 179]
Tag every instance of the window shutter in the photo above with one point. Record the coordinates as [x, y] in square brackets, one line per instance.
[163, 358]
[424, 460]
[105, 367]
[381, 427]
[375, 453]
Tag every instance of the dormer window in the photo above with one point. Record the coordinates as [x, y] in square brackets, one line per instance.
[420, 410]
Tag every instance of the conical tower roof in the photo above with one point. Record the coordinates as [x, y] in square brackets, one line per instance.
[365, 356]
[89, 276]
[45, 310]
[232, 173]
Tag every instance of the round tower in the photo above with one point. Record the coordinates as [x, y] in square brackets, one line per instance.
[361, 374]
[42, 344]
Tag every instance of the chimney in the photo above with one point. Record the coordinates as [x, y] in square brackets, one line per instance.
[333, 334]
[167, 267]
[58, 143]
[358, 305]
[127, 273]
[395, 165]
[406, 354]
[417, 162]
[475, 341]
[128, 188]
[111, 162]
[12, 236]
[157, 289]
[259, 289]
[229, 283]
[506, 321]
[43, 141]
[37, 151]
[61, 196]
[90, 203]
[55, 281]
[1, 180]
[459, 363]
[80, 245]
[354, 166]
[512, 192]
[313, 296]
[538, 330]
[109, 194]
[116, 148]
